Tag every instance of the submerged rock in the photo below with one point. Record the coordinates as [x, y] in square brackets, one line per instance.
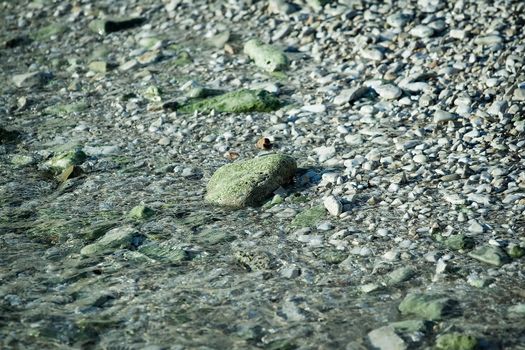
[239, 101]
[119, 237]
[250, 182]
[430, 307]
[266, 56]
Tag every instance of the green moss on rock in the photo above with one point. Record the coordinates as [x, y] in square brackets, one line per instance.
[309, 217]
[456, 341]
[64, 160]
[141, 212]
[240, 101]
[249, 182]
[427, 306]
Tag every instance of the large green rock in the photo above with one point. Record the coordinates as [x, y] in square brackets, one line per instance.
[265, 56]
[250, 182]
[427, 306]
[239, 101]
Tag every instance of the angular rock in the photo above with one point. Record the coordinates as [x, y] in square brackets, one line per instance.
[385, 338]
[401, 274]
[32, 79]
[459, 241]
[333, 205]
[235, 102]
[350, 95]
[141, 212]
[427, 306]
[119, 237]
[266, 56]
[250, 182]
[456, 341]
[490, 254]
[64, 160]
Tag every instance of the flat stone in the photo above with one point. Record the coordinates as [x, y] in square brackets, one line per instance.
[350, 95]
[119, 237]
[309, 217]
[239, 101]
[32, 79]
[388, 91]
[385, 338]
[401, 274]
[443, 117]
[488, 40]
[422, 31]
[490, 254]
[250, 182]
[427, 306]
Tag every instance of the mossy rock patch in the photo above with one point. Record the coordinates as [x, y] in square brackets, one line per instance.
[249, 182]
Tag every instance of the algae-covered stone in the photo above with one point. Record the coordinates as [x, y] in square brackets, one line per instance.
[240, 101]
[165, 252]
[64, 160]
[119, 237]
[458, 242]
[515, 251]
[399, 275]
[456, 341]
[250, 182]
[141, 212]
[265, 56]
[427, 306]
[309, 217]
[65, 109]
[106, 26]
[490, 255]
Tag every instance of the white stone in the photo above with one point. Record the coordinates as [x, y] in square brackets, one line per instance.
[388, 91]
[333, 205]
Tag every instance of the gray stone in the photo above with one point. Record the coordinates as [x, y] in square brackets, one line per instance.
[250, 182]
[266, 56]
[385, 338]
[422, 31]
[32, 79]
[350, 95]
[120, 237]
[388, 91]
[427, 306]
[490, 254]
[333, 205]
